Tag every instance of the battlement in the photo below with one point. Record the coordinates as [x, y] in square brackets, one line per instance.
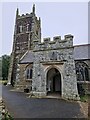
[56, 43]
[18, 16]
[69, 36]
[46, 40]
[24, 15]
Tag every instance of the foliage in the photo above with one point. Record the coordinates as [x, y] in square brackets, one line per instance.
[5, 66]
[0, 68]
[85, 98]
[5, 83]
[7, 116]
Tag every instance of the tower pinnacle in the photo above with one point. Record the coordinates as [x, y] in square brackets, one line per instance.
[17, 12]
[33, 10]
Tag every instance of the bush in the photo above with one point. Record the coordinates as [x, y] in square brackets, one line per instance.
[5, 83]
[84, 98]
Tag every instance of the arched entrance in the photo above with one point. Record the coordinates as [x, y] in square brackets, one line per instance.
[53, 82]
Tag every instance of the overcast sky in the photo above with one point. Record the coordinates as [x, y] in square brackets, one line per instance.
[57, 18]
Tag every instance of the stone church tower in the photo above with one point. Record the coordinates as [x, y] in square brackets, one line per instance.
[27, 29]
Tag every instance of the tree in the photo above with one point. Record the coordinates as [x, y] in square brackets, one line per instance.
[0, 68]
[5, 66]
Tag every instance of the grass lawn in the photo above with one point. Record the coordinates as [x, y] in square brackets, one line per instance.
[85, 98]
[3, 81]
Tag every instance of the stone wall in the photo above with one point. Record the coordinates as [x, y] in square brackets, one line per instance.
[23, 83]
[57, 43]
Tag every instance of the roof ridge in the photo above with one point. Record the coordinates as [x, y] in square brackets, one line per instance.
[81, 45]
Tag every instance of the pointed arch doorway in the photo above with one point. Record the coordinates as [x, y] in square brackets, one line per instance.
[53, 82]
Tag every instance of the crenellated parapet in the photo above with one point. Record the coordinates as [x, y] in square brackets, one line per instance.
[56, 43]
[24, 15]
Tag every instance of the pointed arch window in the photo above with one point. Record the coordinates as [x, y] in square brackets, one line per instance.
[29, 72]
[82, 71]
[86, 74]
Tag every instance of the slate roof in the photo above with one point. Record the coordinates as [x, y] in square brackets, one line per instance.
[82, 52]
[27, 57]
